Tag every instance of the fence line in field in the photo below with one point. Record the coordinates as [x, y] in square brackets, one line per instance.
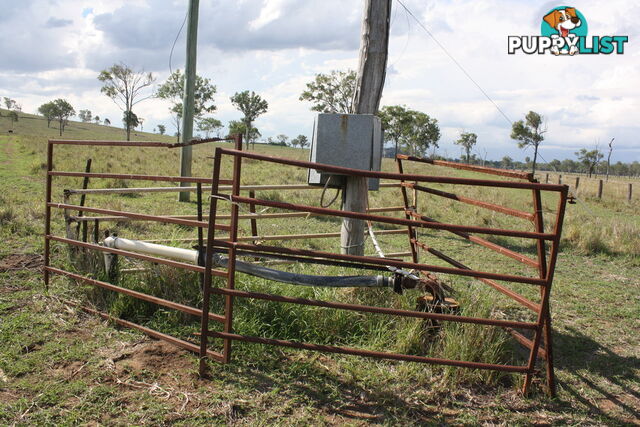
[596, 187]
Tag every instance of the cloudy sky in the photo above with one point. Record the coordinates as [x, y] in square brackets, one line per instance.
[56, 48]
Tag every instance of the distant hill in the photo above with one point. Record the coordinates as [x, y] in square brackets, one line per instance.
[36, 126]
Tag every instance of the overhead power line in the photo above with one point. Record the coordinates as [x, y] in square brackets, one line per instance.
[455, 61]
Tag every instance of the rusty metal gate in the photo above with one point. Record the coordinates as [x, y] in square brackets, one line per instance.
[233, 245]
[413, 220]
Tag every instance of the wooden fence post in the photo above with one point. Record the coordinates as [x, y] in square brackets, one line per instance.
[600, 189]
[577, 182]
[559, 179]
[630, 191]
[546, 179]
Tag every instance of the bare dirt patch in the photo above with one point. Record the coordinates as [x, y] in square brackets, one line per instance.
[16, 262]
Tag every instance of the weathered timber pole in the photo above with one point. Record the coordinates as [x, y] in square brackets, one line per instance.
[371, 73]
[189, 93]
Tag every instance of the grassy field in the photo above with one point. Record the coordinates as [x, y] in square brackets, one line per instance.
[60, 366]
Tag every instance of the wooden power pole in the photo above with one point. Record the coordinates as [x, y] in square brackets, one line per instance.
[189, 94]
[371, 73]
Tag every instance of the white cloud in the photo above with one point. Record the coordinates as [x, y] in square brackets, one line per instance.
[274, 47]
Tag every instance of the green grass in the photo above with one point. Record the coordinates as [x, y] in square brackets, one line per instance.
[59, 366]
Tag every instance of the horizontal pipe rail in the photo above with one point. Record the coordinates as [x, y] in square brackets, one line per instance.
[159, 178]
[392, 175]
[498, 287]
[135, 294]
[376, 310]
[168, 262]
[259, 187]
[133, 215]
[110, 143]
[390, 220]
[225, 217]
[381, 261]
[367, 353]
[151, 332]
[482, 169]
[486, 243]
[491, 206]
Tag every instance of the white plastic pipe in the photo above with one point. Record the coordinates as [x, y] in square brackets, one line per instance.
[188, 255]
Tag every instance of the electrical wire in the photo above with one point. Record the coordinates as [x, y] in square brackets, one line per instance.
[176, 40]
[455, 61]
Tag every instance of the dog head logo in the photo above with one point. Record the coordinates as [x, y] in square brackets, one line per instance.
[563, 20]
[564, 25]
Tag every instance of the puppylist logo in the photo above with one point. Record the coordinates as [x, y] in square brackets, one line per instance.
[564, 32]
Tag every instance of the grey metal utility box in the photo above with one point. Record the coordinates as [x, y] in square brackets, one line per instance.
[347, 140]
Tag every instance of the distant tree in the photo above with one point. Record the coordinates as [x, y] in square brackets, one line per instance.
[130, 120]
[396, 122]
[423, 133]
[412, 130]
[238, 127]
[63, 110]
[125, 87]
[97, 119]
[589, 159]
[282, 139]
[331, 93]
[107, 122]
[555, 165]
[467, 140]
[300, 140]
[506, 162]
[162, 129]
[13, 117]
[11, 104]
[252, 106]
[173, 91]
[48, 110]
[85, 115]
[272, 141]
[529, 133]
[209, 125]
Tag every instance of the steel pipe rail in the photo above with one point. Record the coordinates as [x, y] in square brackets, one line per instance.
[367, 353]
[379, 261]
[391, 175]
[134, 177]
[482, 169]
[389, 220]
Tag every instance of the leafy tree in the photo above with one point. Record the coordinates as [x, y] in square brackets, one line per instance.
[85, 115]
[11, 104]
[423, 133]
[238, 127]
[96, 119]
[506, 162]
[162, 129]
[48, 110]
[300, 140]
[396, 122]
[63, 110]
[107, 122]
[130, 120]
[125, 87]
[410, 129]
[251, 105]
[272, 141]
[467, 140]
[589, 159]
[282, 139]
[209, 125]
[331, 93]
[13, 117]
[173, 90]
[529, 133]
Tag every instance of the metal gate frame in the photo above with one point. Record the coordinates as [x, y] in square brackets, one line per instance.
[541, 328]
